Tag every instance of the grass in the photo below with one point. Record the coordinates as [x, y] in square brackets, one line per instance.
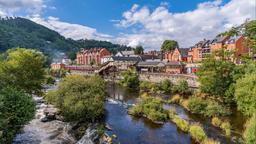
[226, 127]
[181, 123]
[197, 132]
[216, 121]
[210, 141]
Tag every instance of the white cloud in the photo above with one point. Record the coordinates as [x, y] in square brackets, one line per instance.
[206, 21]
[74, 31]
[13, 7]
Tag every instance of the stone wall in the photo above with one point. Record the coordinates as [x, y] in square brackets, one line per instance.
[174, 78]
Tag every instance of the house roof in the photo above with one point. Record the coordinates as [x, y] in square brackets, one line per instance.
[233, 39]
[92, 50]
[149, 57]
[151, 64]
[120, 58]
[174, 63]
[184, 52]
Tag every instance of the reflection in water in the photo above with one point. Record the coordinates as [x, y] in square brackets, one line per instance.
[132, 130]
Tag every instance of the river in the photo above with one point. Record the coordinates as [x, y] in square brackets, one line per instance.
[128, 129]
[132, 130]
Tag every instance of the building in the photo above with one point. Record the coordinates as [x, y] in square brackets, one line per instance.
[178, 54]
[151, 66]
[175, 67]
[57, 66]
[126, 53]
[237, 44]
[91, 56]
[199, 51]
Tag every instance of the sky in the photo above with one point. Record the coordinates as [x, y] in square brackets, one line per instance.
[135, 22]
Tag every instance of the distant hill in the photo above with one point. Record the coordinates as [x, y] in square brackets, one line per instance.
[21, 32]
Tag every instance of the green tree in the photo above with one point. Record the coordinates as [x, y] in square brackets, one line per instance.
[245, 94]
[139, 50]
[166, 86]
[80, 98]
[169, 45]
[250, 130]
[24, 69]
[16, 109]
[181, 87]
[216, 74]
[130, 79]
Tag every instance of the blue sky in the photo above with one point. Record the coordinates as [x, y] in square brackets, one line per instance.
[99, 13]
[135, 22]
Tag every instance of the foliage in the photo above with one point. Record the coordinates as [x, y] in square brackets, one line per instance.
[206, 107]
[58, 73]
[245, 91]
[210, 141]
[166, 86]
[181, 88]
[50, 80]
[250, 32]
[80, 98]
[130, 79]
[250, 130]
[169, 45]
[152, 108]
[24, 69]
[216, 121]
[172, 112]
[182, 124]
[197, 132]
[16, 109]
[215, 75]
[138, 50]
[226, 127]
[176, 99]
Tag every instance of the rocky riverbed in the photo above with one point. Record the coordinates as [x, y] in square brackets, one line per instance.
[48, 128]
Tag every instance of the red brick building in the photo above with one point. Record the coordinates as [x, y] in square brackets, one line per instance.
[177, 55]
[57, 66]
[91, 56]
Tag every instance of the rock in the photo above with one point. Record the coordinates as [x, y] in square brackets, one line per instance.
[59, 117]
[90, 137]
[44, 119]
[107, 126]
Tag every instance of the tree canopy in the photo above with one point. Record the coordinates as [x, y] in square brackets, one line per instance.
[138, 50]
[169, 45]
[24, 69]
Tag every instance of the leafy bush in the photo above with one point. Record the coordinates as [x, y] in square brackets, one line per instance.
[210, 141]
[181, 88]
[152, 108]
[206, 107]
[245, 91]
[166, 86]
[215, 109]
[16, 109]
[130, 79]
[226, 127]
[197, 132]
[250, 130]
[197, 105]
[216, 121]
[176, 99]
[182, 124]
[172, 112]
[80, 98]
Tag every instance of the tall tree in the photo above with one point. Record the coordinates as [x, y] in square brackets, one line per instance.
[138, 50]
[169, 45]
[215, 74]
[23, 69]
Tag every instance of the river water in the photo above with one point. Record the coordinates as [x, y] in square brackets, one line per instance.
[128, 129]
[132, 130]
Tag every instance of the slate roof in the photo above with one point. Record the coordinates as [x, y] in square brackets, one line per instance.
[151, 64]
[119, 58]
[184, 52]
[174, 63]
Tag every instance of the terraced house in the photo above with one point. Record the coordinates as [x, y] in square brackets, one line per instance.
[91, 56]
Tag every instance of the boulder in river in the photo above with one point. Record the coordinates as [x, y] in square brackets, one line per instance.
[90, 137]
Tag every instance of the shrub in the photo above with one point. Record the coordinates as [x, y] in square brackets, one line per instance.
[215, 109]
[175, 99]
[145, 85]
[181, 88]
[80, 98]
[210, 141]
[197, 105]
[216, 121]
[182, 124]
[152, 108]
[197, 132]
[250, 130]
[172, 112]
[226, 127]
[130, 79]
[16, 109]
[166, 86]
